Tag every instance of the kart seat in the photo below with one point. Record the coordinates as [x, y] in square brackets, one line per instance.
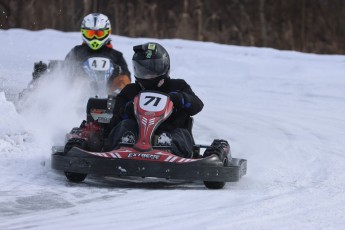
[95, 103]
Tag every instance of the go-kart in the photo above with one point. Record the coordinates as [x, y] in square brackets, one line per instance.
[83, 153]
[98, 71]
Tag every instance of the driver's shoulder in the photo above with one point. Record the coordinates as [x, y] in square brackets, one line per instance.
[176, 83]
[79, 48]
[78, 52]
[114, 52]
[131, 89]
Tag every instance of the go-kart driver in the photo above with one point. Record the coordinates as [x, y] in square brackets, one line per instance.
[151, 64]
[96, 31]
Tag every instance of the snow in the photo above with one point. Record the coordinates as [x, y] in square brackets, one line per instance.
[283, 111]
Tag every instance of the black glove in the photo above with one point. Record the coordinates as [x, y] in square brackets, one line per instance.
[177, 99]
[117, 70]
[39, 69]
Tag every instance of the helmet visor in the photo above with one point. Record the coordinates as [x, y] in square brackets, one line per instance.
[95, 33]
[149, 68]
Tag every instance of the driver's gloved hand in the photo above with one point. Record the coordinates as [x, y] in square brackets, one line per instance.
[177, 99]
[39, 69]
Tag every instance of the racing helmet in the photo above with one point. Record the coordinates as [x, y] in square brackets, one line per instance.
[151, 65]
[96, 30]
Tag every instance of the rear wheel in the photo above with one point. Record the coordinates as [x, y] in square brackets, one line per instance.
[95, 142]
[75, 177]
[75, 142]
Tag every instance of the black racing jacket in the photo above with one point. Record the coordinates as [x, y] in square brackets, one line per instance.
[178, 118]
[80, 53]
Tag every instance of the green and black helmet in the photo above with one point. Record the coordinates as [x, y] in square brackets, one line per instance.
[150, 61]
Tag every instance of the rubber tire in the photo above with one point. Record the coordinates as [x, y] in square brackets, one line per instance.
[72, 176]
[216, 184]
[95, 142]
[75, 142]
[75, 177]
[224, 158]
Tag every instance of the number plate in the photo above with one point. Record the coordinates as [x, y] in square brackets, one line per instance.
[99, 64]
[152, 102]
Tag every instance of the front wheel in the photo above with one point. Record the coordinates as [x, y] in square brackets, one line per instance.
[221, 148]
[75, 177]
[216, 184]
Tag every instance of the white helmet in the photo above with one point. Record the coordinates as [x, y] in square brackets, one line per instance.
[96, 30]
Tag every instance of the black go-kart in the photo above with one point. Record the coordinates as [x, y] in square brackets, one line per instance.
[98, 71]
[83, 152]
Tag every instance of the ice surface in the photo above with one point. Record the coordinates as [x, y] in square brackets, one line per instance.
[283, 111]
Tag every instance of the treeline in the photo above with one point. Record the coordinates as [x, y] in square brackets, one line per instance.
[304, 25]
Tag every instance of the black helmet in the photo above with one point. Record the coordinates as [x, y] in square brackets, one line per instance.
[151, 63]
